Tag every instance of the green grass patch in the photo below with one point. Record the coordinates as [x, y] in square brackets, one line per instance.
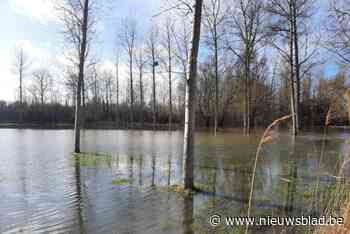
[121, 181]
[88, 159]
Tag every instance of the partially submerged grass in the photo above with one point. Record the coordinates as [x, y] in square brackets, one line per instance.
[118, 181]
[88, 159]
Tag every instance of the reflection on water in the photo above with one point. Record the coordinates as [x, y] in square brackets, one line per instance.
[44, 188]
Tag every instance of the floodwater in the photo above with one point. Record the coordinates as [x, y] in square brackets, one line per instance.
[44, 188]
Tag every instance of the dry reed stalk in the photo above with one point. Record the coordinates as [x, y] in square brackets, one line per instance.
[266, 138]
[326, 124]
[346, 212]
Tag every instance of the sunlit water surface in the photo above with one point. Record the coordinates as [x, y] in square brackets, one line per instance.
[46, 189]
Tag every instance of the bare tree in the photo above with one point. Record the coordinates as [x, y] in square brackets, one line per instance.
[21, 64]
[247, 24]
[182, 40]
[190, 105]
[117, 85]
[168, 44]
[79, 27]
[289, 23]
[214, 18]
[339, 29]
[140, 62]
[152, 47]
[128, 41]
[41, 83]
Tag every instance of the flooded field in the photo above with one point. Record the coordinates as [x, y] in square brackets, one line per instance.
[129, 186]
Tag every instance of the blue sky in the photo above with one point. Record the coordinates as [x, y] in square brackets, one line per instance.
[32, 24]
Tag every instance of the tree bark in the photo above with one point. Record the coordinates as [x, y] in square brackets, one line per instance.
[81, 78]
[216, 82]
[170, 82]
[291, 64]
[297, 66]
[21, 114]
[20, 80]
[141, 92]
[131, 92]
[190, 99]
[154, 89]
[117, 84]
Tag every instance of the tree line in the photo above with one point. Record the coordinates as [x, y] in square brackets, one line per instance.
[258, 59]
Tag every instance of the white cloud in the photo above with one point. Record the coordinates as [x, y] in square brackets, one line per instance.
[7, 78]
[107, 65]
[41, 10]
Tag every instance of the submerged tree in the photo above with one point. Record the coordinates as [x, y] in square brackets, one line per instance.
[190, 99]
[79, 26]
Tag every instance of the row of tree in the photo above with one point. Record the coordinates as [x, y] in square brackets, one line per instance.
[259, 60]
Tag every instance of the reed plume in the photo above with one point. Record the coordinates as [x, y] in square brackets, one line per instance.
[266, 138]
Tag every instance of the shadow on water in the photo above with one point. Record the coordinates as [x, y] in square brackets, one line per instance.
[79, 196]
[128, 189]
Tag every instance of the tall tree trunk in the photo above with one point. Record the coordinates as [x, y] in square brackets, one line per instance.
[21, 111]
[245, 98]
[246, 121]
[291, 64]
[41, 92]
[216, 83]
[117, 83]
[248, 95]
[77, 118]
[131, 93]
[20, 83]
[154, 89]
[141, 96]
[170, 89]
[83, 103]
[190, 99]
[81, 78]
[297, 66]
[83, 92]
